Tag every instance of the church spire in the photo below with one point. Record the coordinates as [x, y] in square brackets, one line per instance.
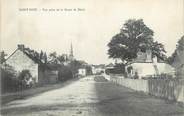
[71, 56]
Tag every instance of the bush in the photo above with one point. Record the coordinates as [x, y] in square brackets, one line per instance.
[64, 73]
[9, 82]
[26, 78]
[117, 69]
[23, 74]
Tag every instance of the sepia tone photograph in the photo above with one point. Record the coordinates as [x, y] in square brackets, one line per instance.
[92, 58]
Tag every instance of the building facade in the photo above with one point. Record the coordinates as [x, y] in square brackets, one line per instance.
[19, 61]
[145, 65]
[25, 59]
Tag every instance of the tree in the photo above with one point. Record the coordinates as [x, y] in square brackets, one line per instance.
[179, 50]
[134, 36]
[2, 56]
[61, 59]
[53, 57]
[75, 65]
[171, 58]
[88, 69]
[45, 58]
[180, 45]
[41, 55]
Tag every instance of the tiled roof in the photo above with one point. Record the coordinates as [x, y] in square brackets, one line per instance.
[33, 55]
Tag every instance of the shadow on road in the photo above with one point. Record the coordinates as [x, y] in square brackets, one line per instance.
[93, 97]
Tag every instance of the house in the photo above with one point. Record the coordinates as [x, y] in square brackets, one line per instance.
[98, 69]
[82, 72]
[25, 59]
[145, 65]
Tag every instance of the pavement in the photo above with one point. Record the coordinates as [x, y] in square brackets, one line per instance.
[91, 96]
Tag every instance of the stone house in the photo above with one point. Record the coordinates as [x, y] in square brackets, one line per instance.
[25, 59]
[145, 65]
[82, 71]
[98, 69]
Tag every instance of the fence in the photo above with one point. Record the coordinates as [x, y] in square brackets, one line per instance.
[163, 88]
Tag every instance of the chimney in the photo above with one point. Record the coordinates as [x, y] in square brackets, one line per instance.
[21, 47]
[148, 55]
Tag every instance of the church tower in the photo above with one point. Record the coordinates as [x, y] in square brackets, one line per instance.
[71, 56]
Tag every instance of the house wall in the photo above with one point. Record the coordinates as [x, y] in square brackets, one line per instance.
[145, 69]
[82, 72]
[19, 61]
[97, 70]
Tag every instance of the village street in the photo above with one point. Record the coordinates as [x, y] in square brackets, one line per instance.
[91, 96]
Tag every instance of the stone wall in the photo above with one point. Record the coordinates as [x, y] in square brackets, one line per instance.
[166, 89]
[20, 61]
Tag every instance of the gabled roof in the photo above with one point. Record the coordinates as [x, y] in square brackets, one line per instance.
[32, 57]
[27, 52]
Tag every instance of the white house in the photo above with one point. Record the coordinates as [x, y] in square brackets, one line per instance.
[97, 69]
[82, 71]
[144, 65]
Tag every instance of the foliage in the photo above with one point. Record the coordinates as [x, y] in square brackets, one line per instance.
[88, 70]
[43, 57]
[23, 74]
[171, 58]
[75, 65]
[64, 73]
[62, 58]
[54, 58]
[9, 82]
[118, 69]
[134, 36]
[179, 48]
[2, 56]
[180, 45]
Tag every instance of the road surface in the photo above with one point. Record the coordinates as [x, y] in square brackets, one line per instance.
[91, 96]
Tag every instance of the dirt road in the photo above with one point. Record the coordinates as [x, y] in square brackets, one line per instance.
[91, 96]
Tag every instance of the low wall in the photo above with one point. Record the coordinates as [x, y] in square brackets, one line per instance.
[167, 89]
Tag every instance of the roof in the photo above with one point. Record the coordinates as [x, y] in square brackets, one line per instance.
[33, 55]
[99, 66]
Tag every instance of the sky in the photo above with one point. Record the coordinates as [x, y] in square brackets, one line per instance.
[90, 29]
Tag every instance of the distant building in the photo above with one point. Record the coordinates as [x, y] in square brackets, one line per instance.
[98, 69]
[82, 72]
[144, 65]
